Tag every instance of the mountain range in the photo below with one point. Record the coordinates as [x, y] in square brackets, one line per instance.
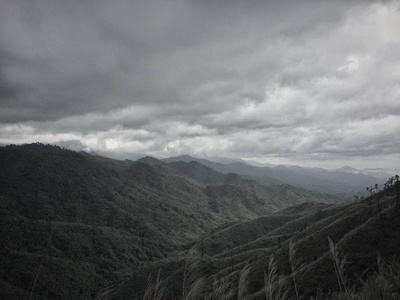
[97, 218]
[76, 225]
[345, 179]
[316, 179]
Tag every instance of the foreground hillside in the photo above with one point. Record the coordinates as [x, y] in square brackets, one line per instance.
[249, 259]
[72, 223]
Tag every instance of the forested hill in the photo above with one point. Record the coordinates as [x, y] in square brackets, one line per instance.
[307, 251]
[78, 223]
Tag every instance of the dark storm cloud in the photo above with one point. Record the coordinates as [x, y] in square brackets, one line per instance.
[75, 57]
[251, 79]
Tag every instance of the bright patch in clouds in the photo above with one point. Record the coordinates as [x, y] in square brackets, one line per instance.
[351, 65]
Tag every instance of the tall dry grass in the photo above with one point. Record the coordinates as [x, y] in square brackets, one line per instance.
[221, 290]
[193, 280]
[296, 267]
[339, 264]
[275, 285]
[244, 282]
[155, 290]
[384, 284]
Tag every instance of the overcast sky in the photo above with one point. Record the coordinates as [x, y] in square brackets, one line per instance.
[314, 83]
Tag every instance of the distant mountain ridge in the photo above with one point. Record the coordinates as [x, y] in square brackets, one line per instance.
[225, 160]
[381, 174]
[282, 173]
[258, 164]
[316, 179]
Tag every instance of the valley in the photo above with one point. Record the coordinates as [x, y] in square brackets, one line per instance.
[81, 226]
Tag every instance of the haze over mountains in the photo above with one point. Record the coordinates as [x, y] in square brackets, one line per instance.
[310, 178]
[344, 179]
[80, 223]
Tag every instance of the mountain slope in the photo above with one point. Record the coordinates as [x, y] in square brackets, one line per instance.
[360, 230]
[198, 172]
[97, 219]
[104, 217]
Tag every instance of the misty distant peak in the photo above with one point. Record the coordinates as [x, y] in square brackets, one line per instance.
[348, 169]
[184, 158]
[226, 160]
[151, 161]
[258, 164]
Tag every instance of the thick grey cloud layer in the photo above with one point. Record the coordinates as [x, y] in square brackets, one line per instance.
[312, 82]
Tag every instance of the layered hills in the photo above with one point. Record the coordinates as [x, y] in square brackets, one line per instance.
[235, 261]
[74, 223]
[315, 179]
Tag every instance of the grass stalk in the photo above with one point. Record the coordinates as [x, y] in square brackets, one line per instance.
[155, 290]
[339, 263]
[275, 285]
[221, 290]
[243, 286]
[193, 281]
[295, 266]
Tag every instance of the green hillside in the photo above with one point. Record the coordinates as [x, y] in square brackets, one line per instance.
[73, 223]
[366, 231]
